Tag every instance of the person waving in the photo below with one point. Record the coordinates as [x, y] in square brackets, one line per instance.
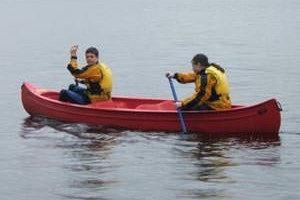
[97, 78]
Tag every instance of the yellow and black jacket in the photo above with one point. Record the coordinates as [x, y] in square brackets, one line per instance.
[211, 89]
[97, 78]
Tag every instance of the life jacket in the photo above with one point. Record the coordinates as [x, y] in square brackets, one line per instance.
[222, 86]
[100, 90]
[106, 81]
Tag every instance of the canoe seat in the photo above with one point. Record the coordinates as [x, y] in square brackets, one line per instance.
[106, 104]
[164, 105]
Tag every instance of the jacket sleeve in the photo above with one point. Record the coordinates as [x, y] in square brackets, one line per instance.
[185, 77]
[203, 92]
[91, 73]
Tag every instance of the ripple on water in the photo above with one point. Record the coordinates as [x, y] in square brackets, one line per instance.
[103, 160]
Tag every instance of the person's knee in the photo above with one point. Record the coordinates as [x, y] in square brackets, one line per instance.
[72, 87]
[73, 97]
[63, 95]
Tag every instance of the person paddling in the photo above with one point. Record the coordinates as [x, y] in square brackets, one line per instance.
[97, 78]
[211, 86]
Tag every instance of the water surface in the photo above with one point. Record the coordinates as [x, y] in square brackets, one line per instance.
[256, 41]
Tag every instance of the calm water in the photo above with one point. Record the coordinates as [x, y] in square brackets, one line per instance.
[256, 41]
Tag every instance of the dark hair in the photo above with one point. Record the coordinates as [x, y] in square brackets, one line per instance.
[200, 58]
[92, 50]
[203, 60]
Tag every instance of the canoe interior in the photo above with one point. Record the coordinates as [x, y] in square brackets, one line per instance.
[127, 103]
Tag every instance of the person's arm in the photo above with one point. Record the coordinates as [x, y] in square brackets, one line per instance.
[73, 65]
[73, 54]
[86, 72]
[203, 94]
[91, 73]
[185, 77]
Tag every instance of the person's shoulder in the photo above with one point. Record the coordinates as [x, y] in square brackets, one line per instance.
[210, 70]
[103, 65]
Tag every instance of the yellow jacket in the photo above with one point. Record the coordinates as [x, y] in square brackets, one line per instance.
[211, 89]
[97, 78]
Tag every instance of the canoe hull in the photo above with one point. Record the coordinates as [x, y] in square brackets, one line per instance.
[154, 114]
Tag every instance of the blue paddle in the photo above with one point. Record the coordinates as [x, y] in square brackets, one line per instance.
[178, 109]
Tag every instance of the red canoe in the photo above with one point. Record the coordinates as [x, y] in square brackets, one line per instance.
[154, 114]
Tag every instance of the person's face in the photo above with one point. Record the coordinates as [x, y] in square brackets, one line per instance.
[91, 59]
[196, 67]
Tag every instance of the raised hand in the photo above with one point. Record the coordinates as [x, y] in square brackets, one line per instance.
[73, 50]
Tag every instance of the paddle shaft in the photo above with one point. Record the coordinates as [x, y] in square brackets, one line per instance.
[178, 108]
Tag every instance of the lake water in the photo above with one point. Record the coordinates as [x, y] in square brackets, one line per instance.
[256, 41]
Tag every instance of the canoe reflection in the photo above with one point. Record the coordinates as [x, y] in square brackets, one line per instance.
[213, 163]
[101, 160]
[86, 149]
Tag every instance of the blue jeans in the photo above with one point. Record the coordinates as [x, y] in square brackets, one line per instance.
[202, 107]
[75, 94]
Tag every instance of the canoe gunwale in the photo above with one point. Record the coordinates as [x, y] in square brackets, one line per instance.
[262, 118]
[91, 107]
